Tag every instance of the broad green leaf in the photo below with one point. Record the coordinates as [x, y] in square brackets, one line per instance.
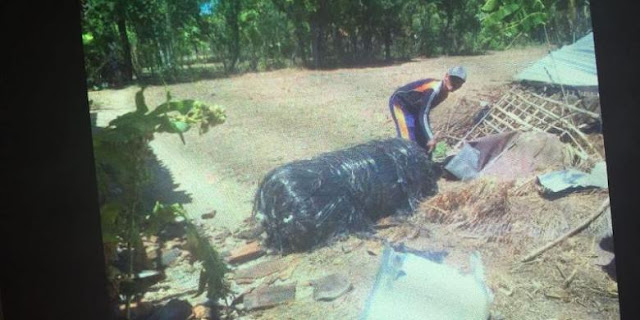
[109, 214]
[440, 151]
[182, 106]
[87, 38]
[507, 10]
[161, 216]
[538, 5]
[180, 126]
[212, 277]
[490, 6]
[179, 209]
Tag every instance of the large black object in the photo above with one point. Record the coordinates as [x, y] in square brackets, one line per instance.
[304, 203]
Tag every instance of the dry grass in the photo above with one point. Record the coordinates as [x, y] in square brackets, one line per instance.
[481, 207]
[507, 211]
[505, 221]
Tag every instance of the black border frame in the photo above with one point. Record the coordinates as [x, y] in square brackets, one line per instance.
[52, 265]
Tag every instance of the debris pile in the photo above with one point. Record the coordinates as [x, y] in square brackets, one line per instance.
[509, 156]
[481, 206]
[523, 110]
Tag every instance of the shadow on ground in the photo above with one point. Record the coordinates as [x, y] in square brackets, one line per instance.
[606, 244]
[161, 187]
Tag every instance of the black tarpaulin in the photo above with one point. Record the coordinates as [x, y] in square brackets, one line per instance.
[304, 203]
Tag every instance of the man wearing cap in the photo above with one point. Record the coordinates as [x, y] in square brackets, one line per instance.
[410, 105]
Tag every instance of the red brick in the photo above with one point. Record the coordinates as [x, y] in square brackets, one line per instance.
[245, 253]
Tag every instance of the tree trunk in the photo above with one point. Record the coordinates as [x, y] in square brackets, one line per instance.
[354, 45]
[337, 43]
[135, 62]
[126, 48]
[445, 34]
[318, 27]
[322, 50]
[235, 29]
[254, 60]
[236, 32]
[367, 43]
[315, 45]
[454, 44]
[387, 43]
[302, 52]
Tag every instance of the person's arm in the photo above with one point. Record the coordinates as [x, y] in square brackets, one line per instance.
[424, 116]
[408, 94]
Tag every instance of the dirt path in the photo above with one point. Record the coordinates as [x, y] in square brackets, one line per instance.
[191, 171]
[276, 117]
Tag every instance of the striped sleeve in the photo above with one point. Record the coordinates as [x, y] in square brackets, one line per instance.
[413, 94]
[425, 110]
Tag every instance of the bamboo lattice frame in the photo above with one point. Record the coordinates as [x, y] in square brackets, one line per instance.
[525, 111]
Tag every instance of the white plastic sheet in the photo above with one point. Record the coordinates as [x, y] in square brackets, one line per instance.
[411, 287]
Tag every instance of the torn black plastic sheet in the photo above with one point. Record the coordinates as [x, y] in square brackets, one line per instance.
[304, 203]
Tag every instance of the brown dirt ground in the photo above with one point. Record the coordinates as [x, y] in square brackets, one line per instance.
[280, 116]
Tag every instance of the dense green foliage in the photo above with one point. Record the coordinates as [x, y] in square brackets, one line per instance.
[163, 38]
[121, 152]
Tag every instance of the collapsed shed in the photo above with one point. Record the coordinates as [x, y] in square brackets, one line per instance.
[555, 95]
[520, 109]
[572, 65]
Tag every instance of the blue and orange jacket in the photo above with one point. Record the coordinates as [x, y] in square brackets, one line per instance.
[418, 98]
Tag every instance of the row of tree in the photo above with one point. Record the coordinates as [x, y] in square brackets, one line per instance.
[127, 38]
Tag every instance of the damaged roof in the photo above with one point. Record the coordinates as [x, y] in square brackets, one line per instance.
[571, 65]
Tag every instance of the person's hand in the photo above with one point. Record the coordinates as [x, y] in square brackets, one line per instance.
[431, 144]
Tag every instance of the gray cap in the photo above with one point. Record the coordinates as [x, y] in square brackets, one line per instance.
[459, 72]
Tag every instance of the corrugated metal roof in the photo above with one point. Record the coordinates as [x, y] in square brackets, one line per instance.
[571, 65]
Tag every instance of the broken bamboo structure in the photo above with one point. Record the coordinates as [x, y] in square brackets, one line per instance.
[521, 110]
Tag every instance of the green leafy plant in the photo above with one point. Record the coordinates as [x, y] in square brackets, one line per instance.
[159, 38]
[440, 151]
[214, 268]
[212, 275]
[505, 20]
[121, 150]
